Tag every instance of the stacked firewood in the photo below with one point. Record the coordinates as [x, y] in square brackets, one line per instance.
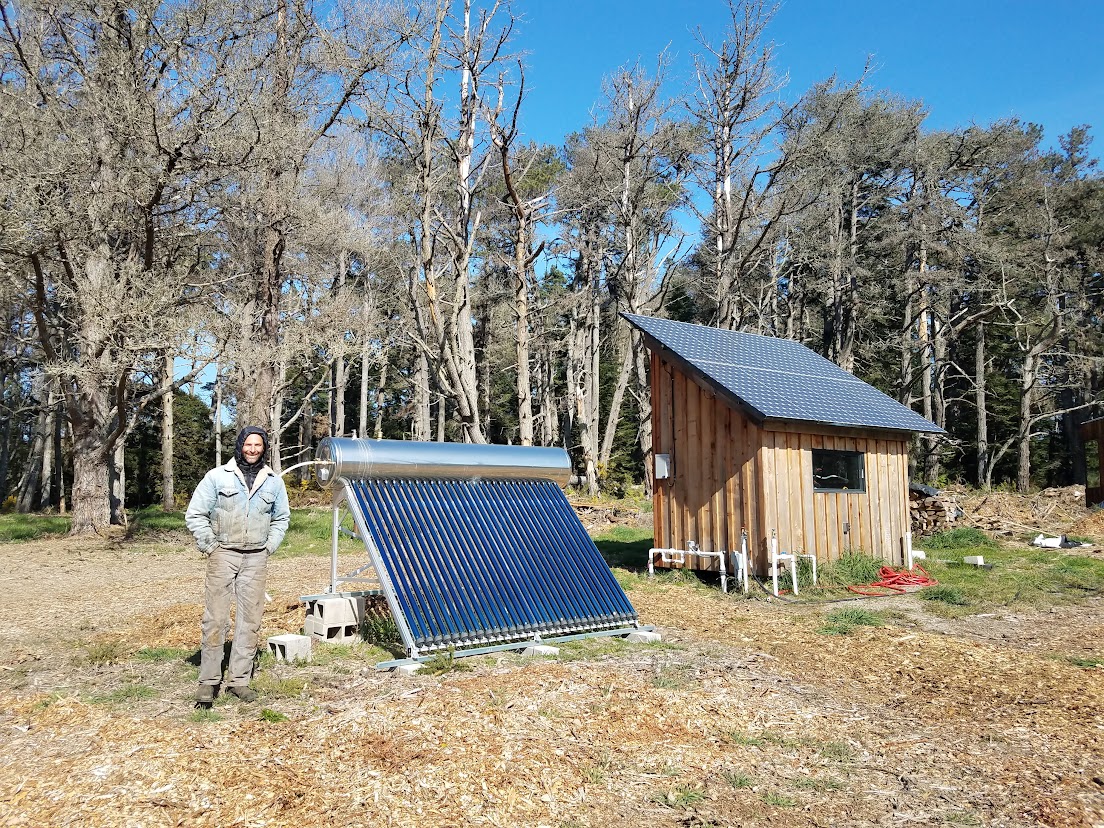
[931, 513]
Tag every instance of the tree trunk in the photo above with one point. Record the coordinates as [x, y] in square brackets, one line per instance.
[118, 483]
[365, 361]
[337, 397]
[216, 415]
[644, 402]
[47, 498]
[306, 437]
[550, 419]
[5, 455]
[1027, 396]
[275, 432]
[420, 426]
[30, 483]
[377, 430]
[340, 367]
[59, 457]
[589, 414]
[614, 414]
[521, 310]
[168, 496]
[91, 479]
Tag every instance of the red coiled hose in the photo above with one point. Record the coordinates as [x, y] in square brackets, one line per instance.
[896, 581]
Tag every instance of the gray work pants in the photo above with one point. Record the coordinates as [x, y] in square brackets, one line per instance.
[232, 574]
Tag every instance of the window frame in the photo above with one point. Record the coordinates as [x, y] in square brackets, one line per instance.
[1092, 463]
[857, 457]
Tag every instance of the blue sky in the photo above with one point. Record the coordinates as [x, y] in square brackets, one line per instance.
[971, 61]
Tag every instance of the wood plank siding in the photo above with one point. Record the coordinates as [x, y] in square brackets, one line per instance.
[729, 473]
[1093, 431]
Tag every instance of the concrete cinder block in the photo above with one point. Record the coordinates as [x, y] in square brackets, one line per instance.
[334, 620]
[290, 647]
[643, 637]
[317, 629]
[540, 650]
[974, 560]
[408, 669]
[337, 610]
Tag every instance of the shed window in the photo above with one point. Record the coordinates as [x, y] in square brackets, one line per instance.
[1092, 464]
[836, 471]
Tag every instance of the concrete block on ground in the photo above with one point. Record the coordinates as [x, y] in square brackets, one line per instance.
[408, 669]
[974, 560]
[643, 637]
[540, 650]
[317, 629]
[290, 647]
[337, 610]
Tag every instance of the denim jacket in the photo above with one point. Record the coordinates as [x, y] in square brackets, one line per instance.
[222, 512]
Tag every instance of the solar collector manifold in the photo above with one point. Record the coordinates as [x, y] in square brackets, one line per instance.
[475, 545]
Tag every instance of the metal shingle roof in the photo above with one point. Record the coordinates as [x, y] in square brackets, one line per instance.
[779, 378]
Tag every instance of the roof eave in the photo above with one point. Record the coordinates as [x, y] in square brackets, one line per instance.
[774, 422]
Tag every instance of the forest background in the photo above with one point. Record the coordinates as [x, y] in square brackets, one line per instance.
[327, 219]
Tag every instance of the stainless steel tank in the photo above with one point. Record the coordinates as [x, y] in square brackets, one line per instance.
[400, 459]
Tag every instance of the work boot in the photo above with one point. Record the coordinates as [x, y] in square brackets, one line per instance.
[205, 694]
[246, 694]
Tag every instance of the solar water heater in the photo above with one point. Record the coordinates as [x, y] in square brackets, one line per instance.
[475, 547]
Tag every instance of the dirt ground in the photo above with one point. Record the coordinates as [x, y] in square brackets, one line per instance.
[744, 715]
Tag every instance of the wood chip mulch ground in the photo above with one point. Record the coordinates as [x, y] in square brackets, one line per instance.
[746, 714]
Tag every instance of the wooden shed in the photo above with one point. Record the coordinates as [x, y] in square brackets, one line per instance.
[1092, 437]
[762, 434]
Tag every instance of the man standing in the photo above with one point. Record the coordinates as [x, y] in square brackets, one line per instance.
[238, 516]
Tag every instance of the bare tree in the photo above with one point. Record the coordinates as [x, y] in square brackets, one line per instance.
[100, 225]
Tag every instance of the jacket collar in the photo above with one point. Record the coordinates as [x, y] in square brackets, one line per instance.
[265, 471]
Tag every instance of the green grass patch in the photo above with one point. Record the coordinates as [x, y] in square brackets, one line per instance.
[855, 567]
[779, 800]
[204, 714]
[780, 739]
[46, 702]
[944, 592]
[381, 630]
[273, 716]
[277, 687]
[111, 651]
[596, 771]
[15, 527]
[1020, 577]
[445, 662]
[737, 780]
[587, 649]
[837, 751]
[626, 547]
[155, 519]
[957, 539]
[161, 655]
[842, 622]
[738, 737]
[683, 796]
[820, 784]
[1087, 663]
[673, 679]
[309, 534]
